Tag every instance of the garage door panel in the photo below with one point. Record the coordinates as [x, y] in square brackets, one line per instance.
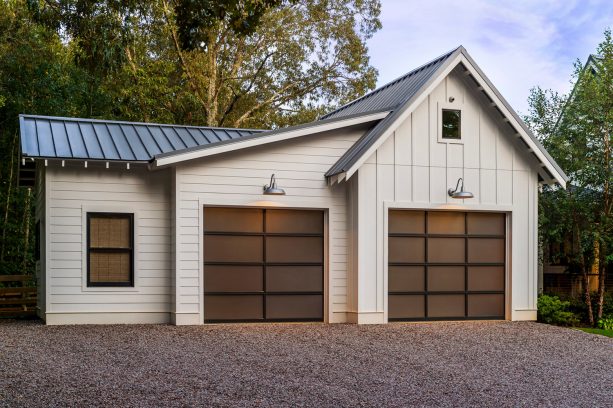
[406, 279]
[228, 248]
[294, 306]
[262, 264]
[227, 219]
[232, 278]
[446, 278]
[239, 307]
[407, 249]
[446, 250]
[485, 223]
[485, 305]
[485, 250]
[294, 221]
[294, 279]
[449, 306]
[294, 249]
[486, 278]
[444, 222]
[452, 269]
[407, 222]
[406, 307]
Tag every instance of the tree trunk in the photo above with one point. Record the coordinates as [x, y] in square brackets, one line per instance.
[602, 275]
[7, 206]
[588, 296]
[26, 231]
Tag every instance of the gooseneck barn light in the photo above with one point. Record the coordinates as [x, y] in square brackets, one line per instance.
[459, 191]
[272, 189]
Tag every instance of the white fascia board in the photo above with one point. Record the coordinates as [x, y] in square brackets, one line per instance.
[401, 118]
[511, 119]
[264, 139]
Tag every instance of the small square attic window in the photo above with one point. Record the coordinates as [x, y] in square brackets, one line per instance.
[452, 119]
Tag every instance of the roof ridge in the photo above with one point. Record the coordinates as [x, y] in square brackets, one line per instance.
[125, 122]
[392, 82]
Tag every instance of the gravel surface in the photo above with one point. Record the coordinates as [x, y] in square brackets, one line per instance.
[423, 364]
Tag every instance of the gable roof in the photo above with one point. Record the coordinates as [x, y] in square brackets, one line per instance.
[393, 94]
[266, 137]
[355, 156]
[109, 140]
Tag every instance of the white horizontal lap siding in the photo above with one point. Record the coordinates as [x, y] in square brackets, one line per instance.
[237, 178]
[71, 193]
[413, 169]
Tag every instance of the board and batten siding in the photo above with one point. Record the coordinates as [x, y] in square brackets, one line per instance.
[236, 179]
[71, 192]
[414, 169]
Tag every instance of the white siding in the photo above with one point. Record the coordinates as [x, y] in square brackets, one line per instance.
[236, 179]
[41, 278]
[71, 193]
[413, 169]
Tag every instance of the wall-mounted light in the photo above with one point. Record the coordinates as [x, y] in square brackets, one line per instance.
[459, 191]
[272, 189]
[451, 99]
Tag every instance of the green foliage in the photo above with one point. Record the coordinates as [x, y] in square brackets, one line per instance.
[264, 63]
[552, 310]
[576, 130]
[606, 323]
[197, 20]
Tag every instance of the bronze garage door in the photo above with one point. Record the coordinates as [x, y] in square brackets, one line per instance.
[446, 265]
[263, 264]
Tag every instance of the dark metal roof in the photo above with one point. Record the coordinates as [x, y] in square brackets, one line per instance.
[359, 148]
[394, 94]
[422, 76]
[92, 139]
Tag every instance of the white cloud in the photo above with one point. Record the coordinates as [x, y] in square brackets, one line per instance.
[518, 44]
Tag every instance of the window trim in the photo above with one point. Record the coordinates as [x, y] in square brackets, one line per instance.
[443, 110]
[442, 106]
[88, 249]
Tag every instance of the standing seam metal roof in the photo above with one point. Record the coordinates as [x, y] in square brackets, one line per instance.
[92, 139]
[393, 94]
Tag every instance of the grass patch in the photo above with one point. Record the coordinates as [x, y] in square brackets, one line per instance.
[602, 332]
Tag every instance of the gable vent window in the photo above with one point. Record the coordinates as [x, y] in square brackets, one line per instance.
[452, 120]
[110, 249]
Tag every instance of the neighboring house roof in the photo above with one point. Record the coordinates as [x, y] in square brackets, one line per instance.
[393, 94]
[408, 101]
[92, 139]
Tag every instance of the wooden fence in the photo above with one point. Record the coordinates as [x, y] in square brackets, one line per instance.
[17, 296]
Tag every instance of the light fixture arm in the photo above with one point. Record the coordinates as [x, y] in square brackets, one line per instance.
[460, 180]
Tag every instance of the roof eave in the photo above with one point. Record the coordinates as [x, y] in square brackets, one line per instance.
[262, 138]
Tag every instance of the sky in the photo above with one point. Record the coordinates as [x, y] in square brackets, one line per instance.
[519, 44]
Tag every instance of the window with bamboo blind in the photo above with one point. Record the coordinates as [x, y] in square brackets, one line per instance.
[110, 249]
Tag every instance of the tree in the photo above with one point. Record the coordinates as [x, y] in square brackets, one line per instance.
[36, 76]
[249, 63]
[577, 132]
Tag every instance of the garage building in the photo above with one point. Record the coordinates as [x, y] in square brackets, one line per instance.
[417, 201]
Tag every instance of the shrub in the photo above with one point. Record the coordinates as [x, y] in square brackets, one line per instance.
[552, 310]
[606, 323]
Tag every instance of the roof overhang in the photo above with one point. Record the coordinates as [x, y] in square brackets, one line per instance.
[263, 138]
[349, 163]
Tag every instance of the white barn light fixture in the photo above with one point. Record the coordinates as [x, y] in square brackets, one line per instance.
[459, 191]
[272, 189]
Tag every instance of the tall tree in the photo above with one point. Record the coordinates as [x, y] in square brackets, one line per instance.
[577, 131]
[251, 63]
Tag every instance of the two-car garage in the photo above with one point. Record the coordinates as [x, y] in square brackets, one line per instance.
[268, 265]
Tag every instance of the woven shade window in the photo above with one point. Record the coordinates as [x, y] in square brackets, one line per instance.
[110, 249]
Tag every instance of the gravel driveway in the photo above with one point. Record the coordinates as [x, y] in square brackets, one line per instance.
[424, 364]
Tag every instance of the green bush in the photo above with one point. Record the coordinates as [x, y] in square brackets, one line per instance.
[606, 323]
[552, 310]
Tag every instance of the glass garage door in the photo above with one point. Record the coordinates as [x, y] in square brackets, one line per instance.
[446, 265]
[263, 264]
